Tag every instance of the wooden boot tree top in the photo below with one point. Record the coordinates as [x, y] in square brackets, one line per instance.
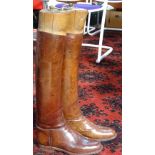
[54, 21]
[61, 22]
[76, 21]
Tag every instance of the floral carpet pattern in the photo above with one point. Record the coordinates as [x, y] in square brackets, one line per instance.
[100, 90]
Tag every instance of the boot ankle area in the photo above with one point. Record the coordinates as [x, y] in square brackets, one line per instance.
[43, 137]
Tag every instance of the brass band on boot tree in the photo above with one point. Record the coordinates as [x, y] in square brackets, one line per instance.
[71, 109]
[52, 129]
[70, 2]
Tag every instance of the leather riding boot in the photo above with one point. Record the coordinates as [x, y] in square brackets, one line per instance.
[52, 130]
[71, 109]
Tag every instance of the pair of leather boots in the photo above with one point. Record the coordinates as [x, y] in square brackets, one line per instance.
[60, 123]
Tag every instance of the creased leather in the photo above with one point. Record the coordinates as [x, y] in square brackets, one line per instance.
[68, 140]
[52, 129]
[49, 71]
[70, 76]
[71, 108]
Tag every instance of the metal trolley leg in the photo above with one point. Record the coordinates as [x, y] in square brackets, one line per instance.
[109, 49]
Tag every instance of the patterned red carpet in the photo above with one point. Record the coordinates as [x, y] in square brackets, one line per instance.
[100, 90]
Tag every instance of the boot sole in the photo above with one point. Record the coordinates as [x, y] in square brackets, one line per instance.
[50, 149]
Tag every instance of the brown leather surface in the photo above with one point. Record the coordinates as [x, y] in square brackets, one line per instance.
[70, 76]
[69, 141]
[52, 129]
[50, 58]
[91, 130]
[71, 108]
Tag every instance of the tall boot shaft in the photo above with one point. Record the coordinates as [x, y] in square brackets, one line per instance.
[71, 107]
[74, 40]
[50, 48]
